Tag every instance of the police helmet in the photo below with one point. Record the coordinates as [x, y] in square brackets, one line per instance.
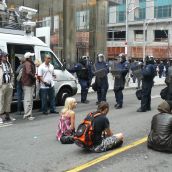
[122, 57]
[149, 60]
[83, 60]
[100, 57]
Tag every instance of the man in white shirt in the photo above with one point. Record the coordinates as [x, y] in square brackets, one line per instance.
[46, 76]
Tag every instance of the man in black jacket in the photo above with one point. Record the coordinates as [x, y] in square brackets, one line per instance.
[160, 136]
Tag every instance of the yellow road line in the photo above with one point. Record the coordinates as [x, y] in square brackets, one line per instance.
[108, 155]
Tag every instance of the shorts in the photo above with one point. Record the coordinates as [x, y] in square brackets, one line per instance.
[108, 143]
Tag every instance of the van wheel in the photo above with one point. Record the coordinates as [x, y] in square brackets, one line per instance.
[62, 95]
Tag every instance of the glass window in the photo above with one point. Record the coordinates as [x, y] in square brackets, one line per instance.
[110, 36]
[161, 35]
[120, 16]
[119, 35]
[163, 11]
[138, 35]
[54, 60]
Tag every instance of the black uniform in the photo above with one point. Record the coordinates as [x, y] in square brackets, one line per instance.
[148, 73]
[84, 74]
[119, 83]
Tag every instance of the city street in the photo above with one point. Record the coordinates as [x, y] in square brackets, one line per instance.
[31, 146]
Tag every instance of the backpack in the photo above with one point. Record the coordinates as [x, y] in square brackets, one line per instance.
[84, 133]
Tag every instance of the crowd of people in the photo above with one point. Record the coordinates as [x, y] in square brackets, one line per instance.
[28, 76]
[94, 132]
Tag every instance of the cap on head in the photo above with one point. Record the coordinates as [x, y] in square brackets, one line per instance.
[28, 55]
[4, 54]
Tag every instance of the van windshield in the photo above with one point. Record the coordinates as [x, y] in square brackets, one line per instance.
[54, 60]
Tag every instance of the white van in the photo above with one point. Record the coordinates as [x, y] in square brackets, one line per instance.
[16, 42]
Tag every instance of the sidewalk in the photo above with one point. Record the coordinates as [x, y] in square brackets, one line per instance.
[157, 81]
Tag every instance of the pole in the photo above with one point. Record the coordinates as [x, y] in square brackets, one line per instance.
[126, 30]
[144, 40]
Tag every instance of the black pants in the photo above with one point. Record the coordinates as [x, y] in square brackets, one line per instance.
[146, 95]
[119, 97]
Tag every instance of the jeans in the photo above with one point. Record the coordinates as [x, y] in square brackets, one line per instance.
[47, 93]
[19, 96]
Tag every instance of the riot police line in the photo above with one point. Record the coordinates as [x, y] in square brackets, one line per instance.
[119, 68]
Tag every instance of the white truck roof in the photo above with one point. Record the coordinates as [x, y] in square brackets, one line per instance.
[21, 39]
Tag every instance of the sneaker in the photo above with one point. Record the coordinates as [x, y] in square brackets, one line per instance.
[118, 106]
[8, 119]
[141, 110]
[1, 121]
[115, 105]
[31, 118]
[85, 101]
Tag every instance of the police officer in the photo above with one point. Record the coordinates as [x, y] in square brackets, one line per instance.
[148, 74]
[123, 68]
[101, 79]
[84, 74]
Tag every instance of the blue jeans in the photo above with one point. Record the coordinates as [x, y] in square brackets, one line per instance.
[19, 96]
[47, 93]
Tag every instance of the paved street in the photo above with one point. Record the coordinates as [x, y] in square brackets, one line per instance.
[31, 146]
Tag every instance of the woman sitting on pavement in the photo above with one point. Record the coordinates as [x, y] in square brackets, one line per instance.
[103, 138]
[66, 124]
[160, 136]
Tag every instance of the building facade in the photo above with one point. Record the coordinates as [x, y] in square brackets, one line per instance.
[149, 29]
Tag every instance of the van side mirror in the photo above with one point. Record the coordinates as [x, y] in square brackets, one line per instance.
[63, 67]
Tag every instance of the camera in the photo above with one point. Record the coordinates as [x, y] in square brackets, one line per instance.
[47, 84]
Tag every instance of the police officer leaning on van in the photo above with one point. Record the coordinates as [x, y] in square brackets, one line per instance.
[84, 74]
[6, 87]
[119, 83]
[148, 73]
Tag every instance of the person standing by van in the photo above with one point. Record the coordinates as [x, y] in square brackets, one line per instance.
[46, 76]
[6, 87]
[28, 83]
[19, 85]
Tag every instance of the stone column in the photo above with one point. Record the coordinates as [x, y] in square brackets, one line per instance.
[69, 31]
[98, 28]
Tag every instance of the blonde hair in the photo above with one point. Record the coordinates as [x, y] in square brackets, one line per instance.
[68, 105]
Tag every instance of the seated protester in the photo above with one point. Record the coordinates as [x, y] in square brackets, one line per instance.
[66, 125]
[160, 136]
[103, 138]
